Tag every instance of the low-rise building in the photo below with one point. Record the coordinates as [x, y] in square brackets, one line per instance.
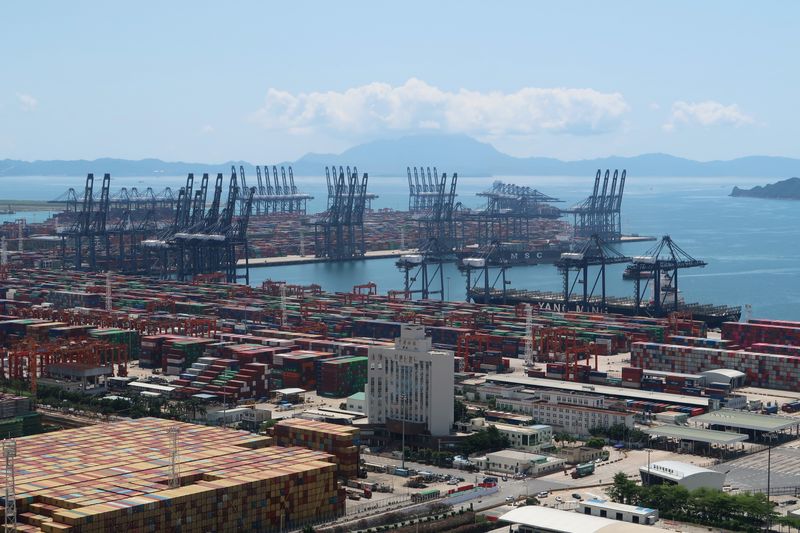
[539, 519]
[517, 462]
[685, 474]
[357, 403]
[574, 416]
[528, 438]
[581, 454]
[619, 511]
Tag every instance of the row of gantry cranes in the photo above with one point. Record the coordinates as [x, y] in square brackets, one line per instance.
[197, 238]
[183, 234]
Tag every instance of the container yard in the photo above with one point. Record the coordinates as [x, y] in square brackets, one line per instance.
[340, 441]
[766, 351]
[121, 477]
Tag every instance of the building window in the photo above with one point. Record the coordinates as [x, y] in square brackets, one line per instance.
[603, 513]
[619, 516]
[635, 519]
[586, 510]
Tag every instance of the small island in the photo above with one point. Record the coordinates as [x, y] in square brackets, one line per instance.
[788, 189]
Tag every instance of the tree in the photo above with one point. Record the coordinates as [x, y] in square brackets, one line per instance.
[459, 411]
[489, 439]
[596, 442]
[623, 490]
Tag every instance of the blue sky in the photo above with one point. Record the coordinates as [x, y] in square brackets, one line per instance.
[270, 81]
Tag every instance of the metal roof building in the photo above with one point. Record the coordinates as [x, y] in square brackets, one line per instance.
[605, 390]
[707, 436]
[618, 511]
[536, 519]
[739, 420]
[684, 474]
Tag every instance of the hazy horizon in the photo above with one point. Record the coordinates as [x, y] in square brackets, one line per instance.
[271, 82]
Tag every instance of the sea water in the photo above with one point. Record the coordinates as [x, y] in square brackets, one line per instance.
[751, 245]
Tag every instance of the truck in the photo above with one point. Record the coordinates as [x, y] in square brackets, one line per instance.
[583, 470]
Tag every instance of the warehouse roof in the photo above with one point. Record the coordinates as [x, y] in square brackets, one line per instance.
[289, 391]
[731, 373]
[676, 470]
[746, 420]
[696, 434]
[606, 504]
[557, 521]
[621, 392]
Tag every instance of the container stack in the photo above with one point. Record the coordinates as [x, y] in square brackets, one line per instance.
[772, 371]
[114, 477]
[340, 377]
[746, 334]
[339, 441]
[227, 379]
[124, 337]
[69, 299]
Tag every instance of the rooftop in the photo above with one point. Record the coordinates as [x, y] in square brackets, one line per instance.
[733, 374]
[518, 455]
[557, 521]
[606, 504]
[746, 420]
[359, 396]
[124, 465]
[676, 470]
[635, 394]
[696, 434]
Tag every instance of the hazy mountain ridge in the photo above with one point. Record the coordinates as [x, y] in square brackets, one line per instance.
[449, 153]
[781, 190]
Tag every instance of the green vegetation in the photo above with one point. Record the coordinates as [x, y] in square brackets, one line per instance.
[620, 433]
[430, 457]
[596, 442]
[739, 512]
[134, 407]
[485, 440]
[460, 411]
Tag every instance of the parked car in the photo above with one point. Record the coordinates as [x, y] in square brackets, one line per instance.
[509, 499]
[576, 496]
[543, 494]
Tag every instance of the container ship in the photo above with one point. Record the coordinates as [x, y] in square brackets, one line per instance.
[712, 315]
[517, 254]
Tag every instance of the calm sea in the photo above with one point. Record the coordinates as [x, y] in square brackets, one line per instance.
[751, 245]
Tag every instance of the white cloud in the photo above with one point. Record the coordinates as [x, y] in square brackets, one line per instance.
[708, 113]
[27, 102]
[416, 105]
[207, 129]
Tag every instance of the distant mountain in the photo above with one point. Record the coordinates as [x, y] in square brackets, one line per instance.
[782, 190]
[449, 153]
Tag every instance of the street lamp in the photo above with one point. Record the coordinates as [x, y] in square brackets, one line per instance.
[769, 462]
[403, 399]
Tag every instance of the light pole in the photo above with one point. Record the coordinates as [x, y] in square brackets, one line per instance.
[769, 463]
[648, 466]
[403, 399]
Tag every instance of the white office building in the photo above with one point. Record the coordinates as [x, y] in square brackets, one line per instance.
[411, 385]
[531, 438]
[575, 413]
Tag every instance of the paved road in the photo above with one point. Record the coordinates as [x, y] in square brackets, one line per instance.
[751, 472]
[513, 487]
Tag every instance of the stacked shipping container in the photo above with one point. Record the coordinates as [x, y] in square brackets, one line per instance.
[339, 441]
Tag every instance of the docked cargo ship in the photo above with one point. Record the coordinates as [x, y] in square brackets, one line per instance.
[712, 315]
[514, 254]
